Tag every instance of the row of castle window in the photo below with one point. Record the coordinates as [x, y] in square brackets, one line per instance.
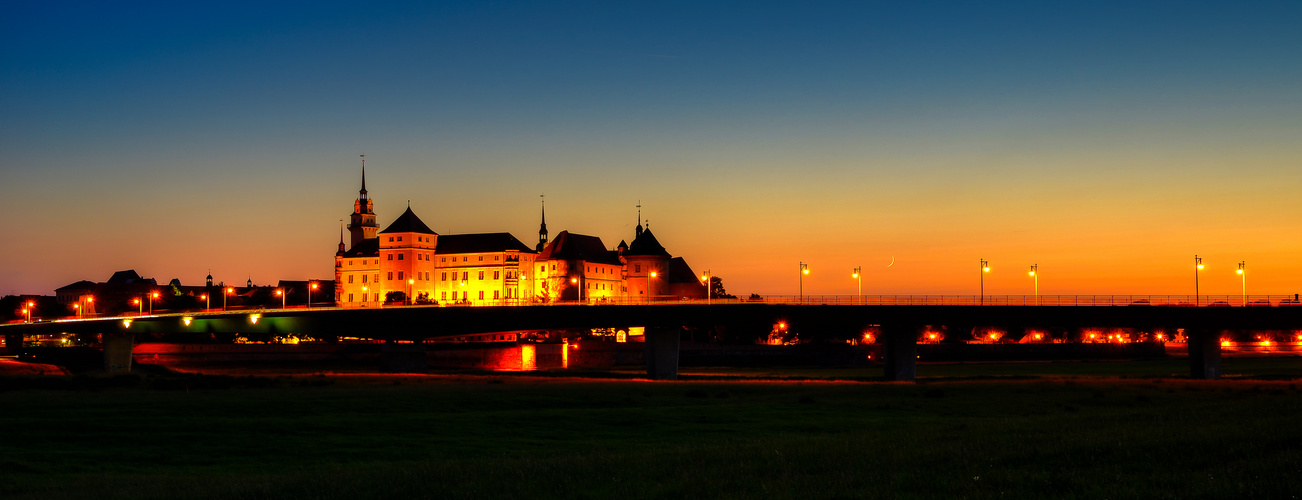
[466, 276]
[466, 295]
[377, 297]
[364, 276]
[467, 258]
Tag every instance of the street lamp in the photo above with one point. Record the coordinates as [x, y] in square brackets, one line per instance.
[648, 285]
[207, 302]
[281, 293]
[985, 268]
[77, 307]
[709, 285]
[152, 296]
[408, 300]
[365, 295]
[90, 302]
[309, 294]
[140, 306]
[858, 276]
[804, 269]
[28, 310]
[1243, 277]
[1035, 268]
[225, 292]
[1198, 266]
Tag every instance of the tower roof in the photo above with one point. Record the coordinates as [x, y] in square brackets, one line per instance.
[569, 246]
[408, 222]
[646, 244]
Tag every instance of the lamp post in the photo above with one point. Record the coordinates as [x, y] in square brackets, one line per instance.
[140, 306]
[281, 293]
[90, 302]
[77, 307]
[1035, 268]
[365, 294]
[226, 291]
[804, 269]
[858, 276]
[408, 300]
[28, 310]
[1243, 277]
[1198, 266]
[310, 287]
[652, 274]
[985, 268]
[709, 285]
[152, 296]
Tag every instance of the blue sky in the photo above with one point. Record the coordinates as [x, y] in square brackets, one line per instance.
[1122, 135]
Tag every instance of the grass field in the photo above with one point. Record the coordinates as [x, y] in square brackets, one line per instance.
[1071, 430]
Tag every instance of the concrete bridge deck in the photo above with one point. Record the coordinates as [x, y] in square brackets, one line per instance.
[899, 324]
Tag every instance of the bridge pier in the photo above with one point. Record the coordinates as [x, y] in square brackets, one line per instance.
[403, 358]
[117, 352]
[14, 344]
[662, 353]
[1204, 354]
[900, 352]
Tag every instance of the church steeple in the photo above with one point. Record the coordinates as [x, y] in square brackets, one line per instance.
[363, 225]
[542, 228]
[342, 248]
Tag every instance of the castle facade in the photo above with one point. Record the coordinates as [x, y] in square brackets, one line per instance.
[408, 263]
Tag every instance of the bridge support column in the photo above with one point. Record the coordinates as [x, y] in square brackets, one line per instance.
[1204, 354]
[117, 352]
[14, 344]
[662, 353]
[403, 358]
[900, 350]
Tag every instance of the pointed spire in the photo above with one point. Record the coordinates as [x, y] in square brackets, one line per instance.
[363, 191]
[639, 219]
[542, 228]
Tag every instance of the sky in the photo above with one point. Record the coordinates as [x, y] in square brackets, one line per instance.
[1107, 142]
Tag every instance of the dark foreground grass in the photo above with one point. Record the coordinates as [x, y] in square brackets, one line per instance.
[499, 436]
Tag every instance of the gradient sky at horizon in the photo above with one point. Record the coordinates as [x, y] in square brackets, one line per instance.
[1107, 142]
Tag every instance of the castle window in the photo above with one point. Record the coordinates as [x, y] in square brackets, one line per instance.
[495, 294]
[390, 275]
[400, 276]
[350, 297]
[363, 278]
[350, 280]
[481, 295]
[497, 274]
[350, 262]
[481, 258]
[443, 259]
[465, 259]
[399, 238]
[542, 269]
[390, 256]
[465, 276]
[444, 296]
[637, 268]
[497, 257]
[481, 275]
[377, 296]
[377, 276]
[399, 256]
[443, 277]
[390, 238]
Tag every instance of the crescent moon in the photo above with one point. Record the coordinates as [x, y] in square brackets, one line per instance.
[892, 261]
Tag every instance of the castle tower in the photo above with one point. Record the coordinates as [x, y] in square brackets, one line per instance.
[363, 225]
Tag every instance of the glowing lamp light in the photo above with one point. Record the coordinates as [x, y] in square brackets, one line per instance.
[1225, 343]
[1240, 271]
[126, 323]
[704, 277]
[279, 293]
[805, 270]
[985, 269]
[155, 295]
[253, 318]
[1200, 266]
[653, 274]
[411, 282]
[187, 320]
[574, 280]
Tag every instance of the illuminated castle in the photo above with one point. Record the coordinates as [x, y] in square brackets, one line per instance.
[496, 268]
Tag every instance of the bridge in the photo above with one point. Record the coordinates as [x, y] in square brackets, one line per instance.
[899, 324]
